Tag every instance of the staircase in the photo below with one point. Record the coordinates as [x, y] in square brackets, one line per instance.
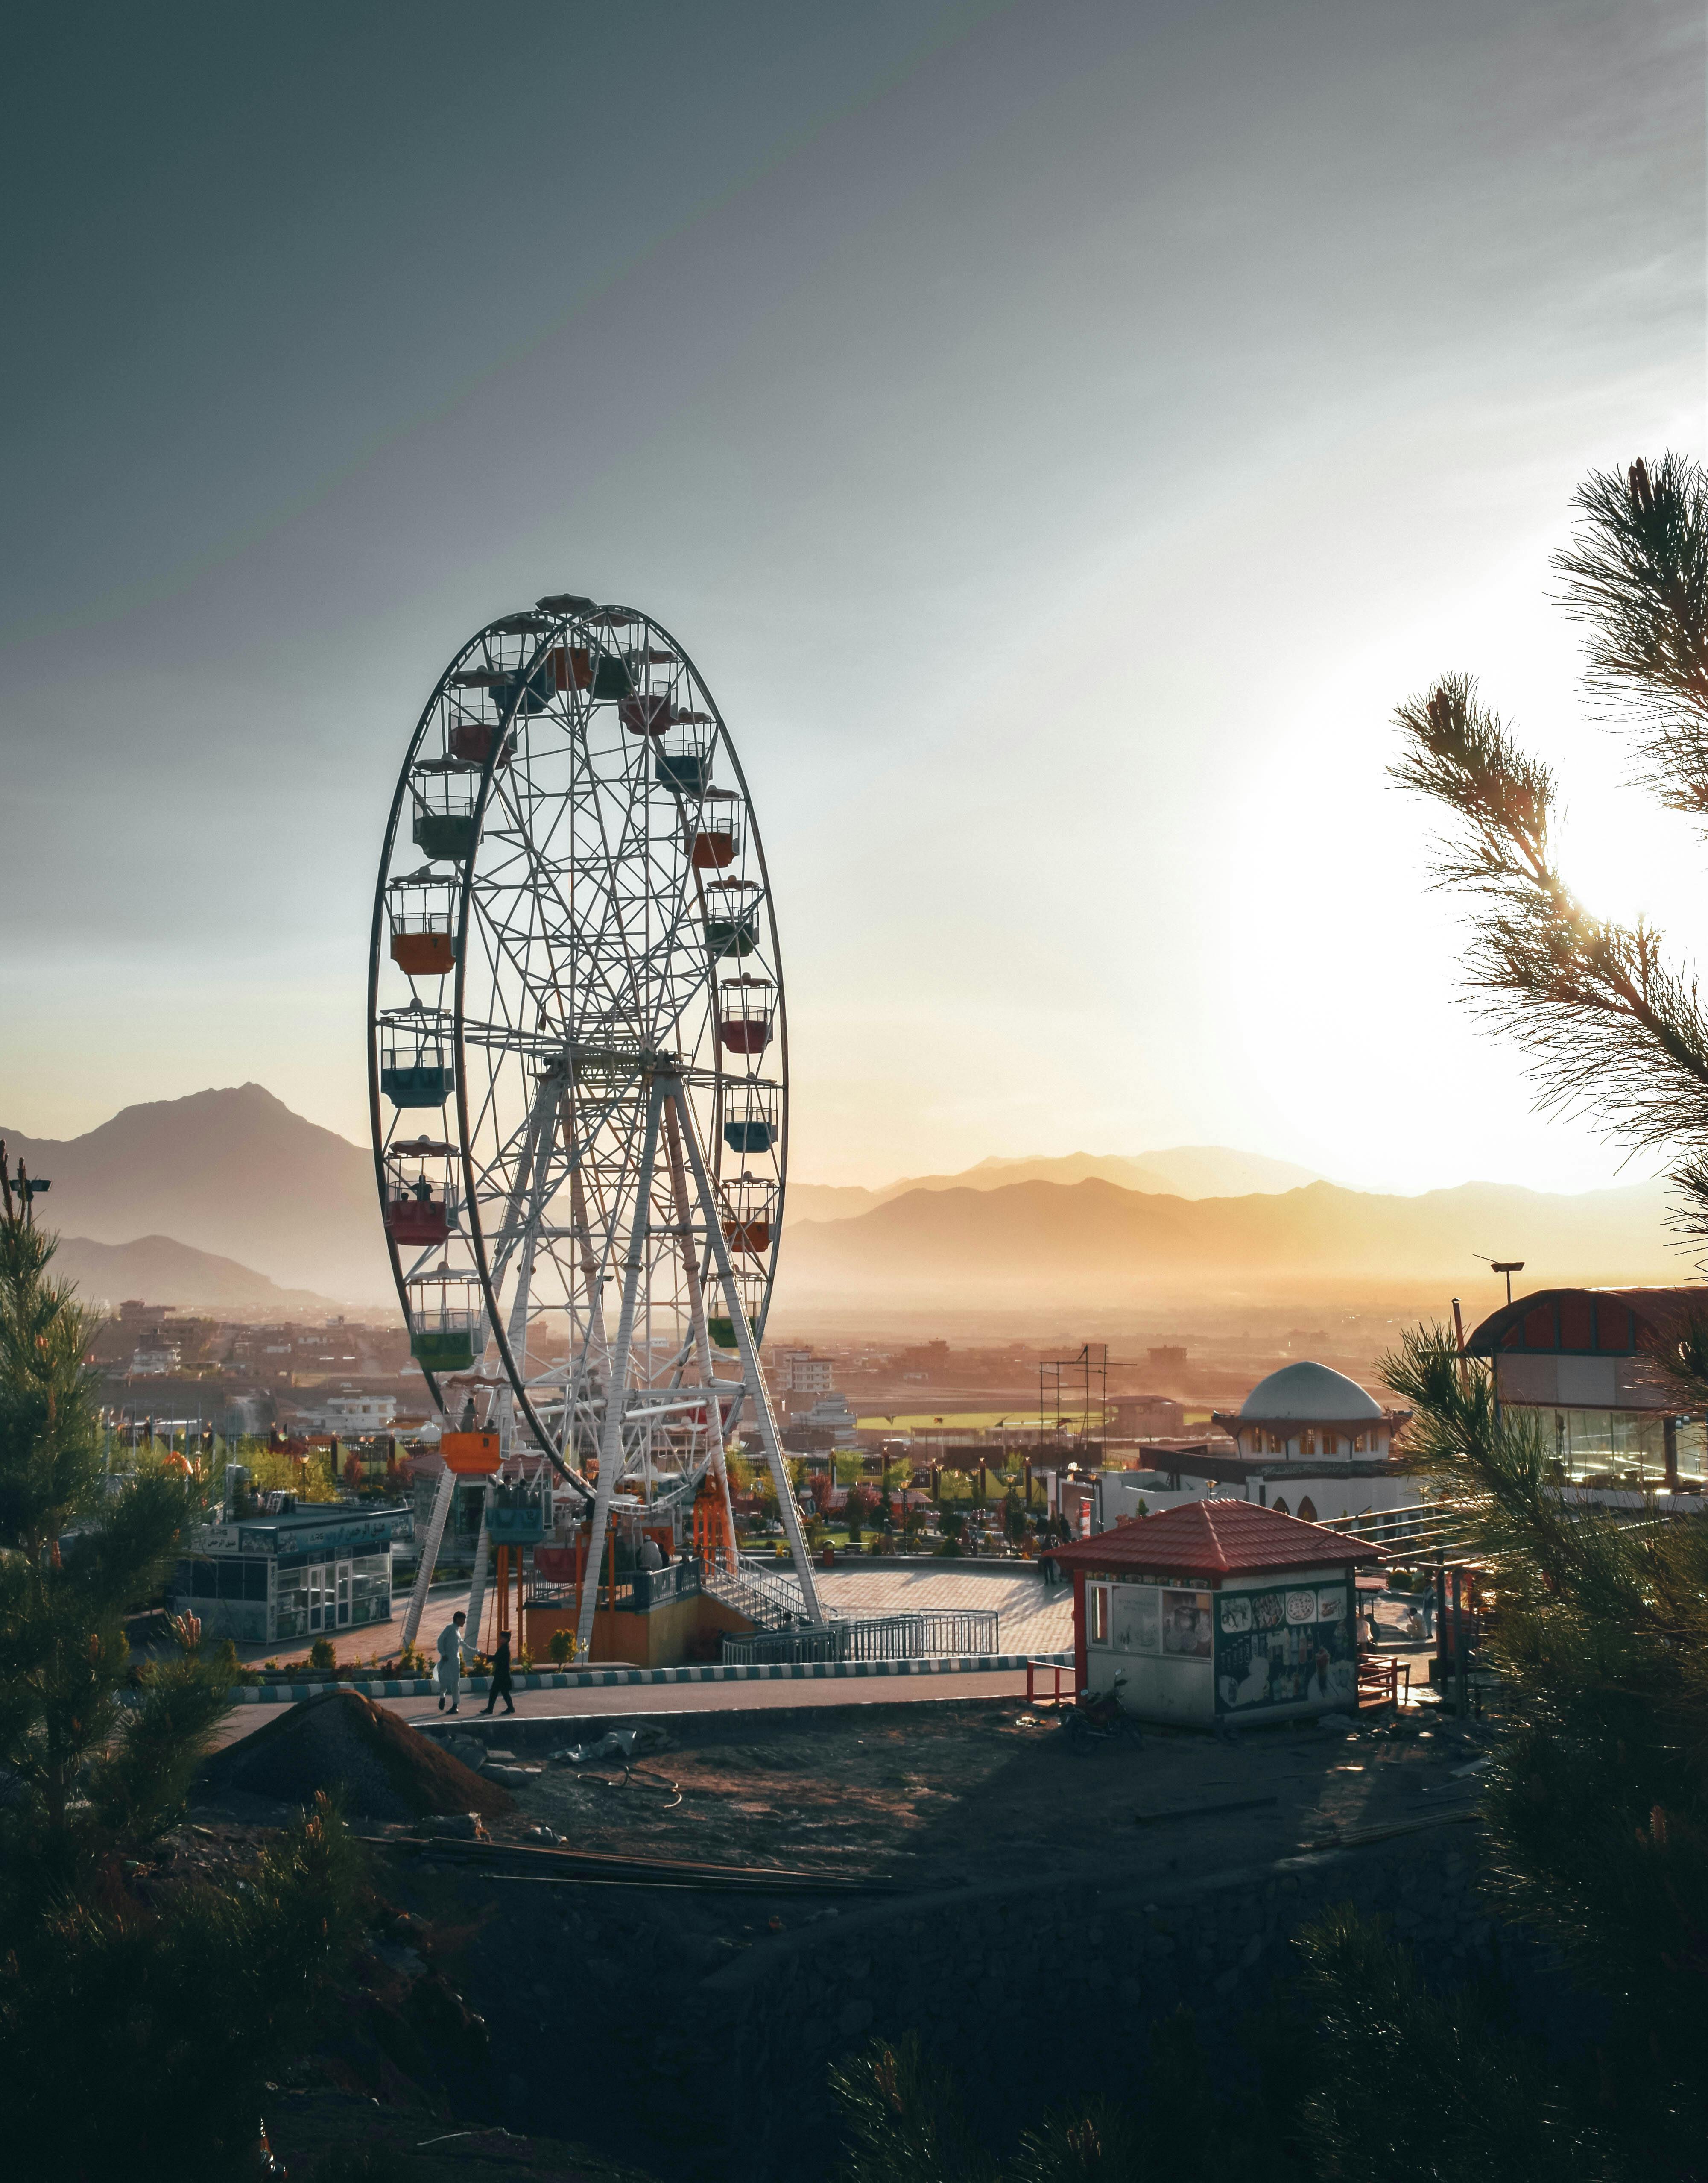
[769, 1602]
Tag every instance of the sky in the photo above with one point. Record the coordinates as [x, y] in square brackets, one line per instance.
[1059, 433]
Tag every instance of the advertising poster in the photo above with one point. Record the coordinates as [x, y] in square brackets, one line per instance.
[1187, 1630]
[1133, 1623]
[1288, 1645]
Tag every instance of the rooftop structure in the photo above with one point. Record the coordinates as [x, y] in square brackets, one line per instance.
[1590, 1363]
[300, 1573]
[1215, 1607]
[1212, 1540]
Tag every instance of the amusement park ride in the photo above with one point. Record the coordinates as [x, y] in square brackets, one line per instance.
[578, 1077]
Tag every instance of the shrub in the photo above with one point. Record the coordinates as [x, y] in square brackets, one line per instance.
[322, 1655]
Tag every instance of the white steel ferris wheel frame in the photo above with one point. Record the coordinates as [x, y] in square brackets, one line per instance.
[602, 1015]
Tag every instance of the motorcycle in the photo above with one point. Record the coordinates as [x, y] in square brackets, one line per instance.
[1097, 1717]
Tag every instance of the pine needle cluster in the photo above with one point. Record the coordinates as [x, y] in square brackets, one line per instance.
[1614, 1025]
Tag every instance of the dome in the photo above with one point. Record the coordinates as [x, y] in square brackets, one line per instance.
[1312, 1395]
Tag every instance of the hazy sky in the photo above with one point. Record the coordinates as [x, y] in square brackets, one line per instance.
[1059, 432]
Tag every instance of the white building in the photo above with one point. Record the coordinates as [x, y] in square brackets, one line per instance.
[1306, 1441]
[804, 1373]
[352, 1415]
[833, 1414]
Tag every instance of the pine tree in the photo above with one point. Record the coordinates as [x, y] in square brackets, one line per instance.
[1598, 1803]
[1597, 1799]
[134, 2028]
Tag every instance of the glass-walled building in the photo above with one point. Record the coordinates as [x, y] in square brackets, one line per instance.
[1590, 1364]
[309, 1572]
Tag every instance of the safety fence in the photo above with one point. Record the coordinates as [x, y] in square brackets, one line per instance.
[957, 1631]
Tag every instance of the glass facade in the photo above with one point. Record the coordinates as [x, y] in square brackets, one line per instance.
[1622, 1449]
[316, 1598]
[370, 1588]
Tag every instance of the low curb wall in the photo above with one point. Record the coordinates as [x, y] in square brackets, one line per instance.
[606, 1679]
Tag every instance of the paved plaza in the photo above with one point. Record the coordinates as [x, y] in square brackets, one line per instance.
[1033, 1619]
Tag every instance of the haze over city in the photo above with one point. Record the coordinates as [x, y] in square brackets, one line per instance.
[1061, 436]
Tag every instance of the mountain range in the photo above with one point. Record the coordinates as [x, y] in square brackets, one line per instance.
[162, 1272]
[233, 1173]
[1093, 1242]
[1183, 1171]
[227, 1198]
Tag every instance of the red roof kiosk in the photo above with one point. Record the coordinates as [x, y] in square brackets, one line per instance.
[1215, 1609]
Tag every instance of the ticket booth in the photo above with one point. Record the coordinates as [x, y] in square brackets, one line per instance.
[1215, 1609]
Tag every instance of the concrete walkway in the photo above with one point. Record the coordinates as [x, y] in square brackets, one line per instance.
[679, 1697]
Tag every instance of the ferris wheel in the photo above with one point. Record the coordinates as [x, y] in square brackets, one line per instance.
[578, 1068]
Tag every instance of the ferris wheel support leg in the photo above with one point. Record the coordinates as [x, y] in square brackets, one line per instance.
[477, 1582]
[617, 1379]
[598, 1356]
[443, 1494]
[750, 1374]
[520, 1232]
[697, 1316]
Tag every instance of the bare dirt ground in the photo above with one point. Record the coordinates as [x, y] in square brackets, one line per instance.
[973, 1788]
[901, 1794]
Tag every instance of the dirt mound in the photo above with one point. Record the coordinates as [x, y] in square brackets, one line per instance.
[341, 1741]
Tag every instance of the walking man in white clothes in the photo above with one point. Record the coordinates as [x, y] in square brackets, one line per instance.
[452, 1652]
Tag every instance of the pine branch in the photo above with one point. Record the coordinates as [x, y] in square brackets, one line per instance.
[1611, 1028]
[1637, 573]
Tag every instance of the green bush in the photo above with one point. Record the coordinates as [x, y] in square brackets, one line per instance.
[322, 1655]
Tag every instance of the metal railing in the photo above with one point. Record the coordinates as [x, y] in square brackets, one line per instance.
[958, 1632]
[1424, 1527]
[1430, 1530]
[761, 1602]
[636, 1591]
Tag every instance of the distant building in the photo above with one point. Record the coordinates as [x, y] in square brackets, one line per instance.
[836, 1415]
[1147, 1417]
[804, 1373]
[154, 1364]
[1310, 1410]
[271, 1579]
[354, 1414]
[1306, 1441]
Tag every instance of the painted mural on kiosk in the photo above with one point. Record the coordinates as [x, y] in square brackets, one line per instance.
[1295, 1645]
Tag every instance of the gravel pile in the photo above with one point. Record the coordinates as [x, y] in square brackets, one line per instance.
[341, 1741]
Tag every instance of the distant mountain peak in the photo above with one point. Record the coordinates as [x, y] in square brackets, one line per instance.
[231, 1172]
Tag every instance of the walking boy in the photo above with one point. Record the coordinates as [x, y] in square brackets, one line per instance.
[501, 1675]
